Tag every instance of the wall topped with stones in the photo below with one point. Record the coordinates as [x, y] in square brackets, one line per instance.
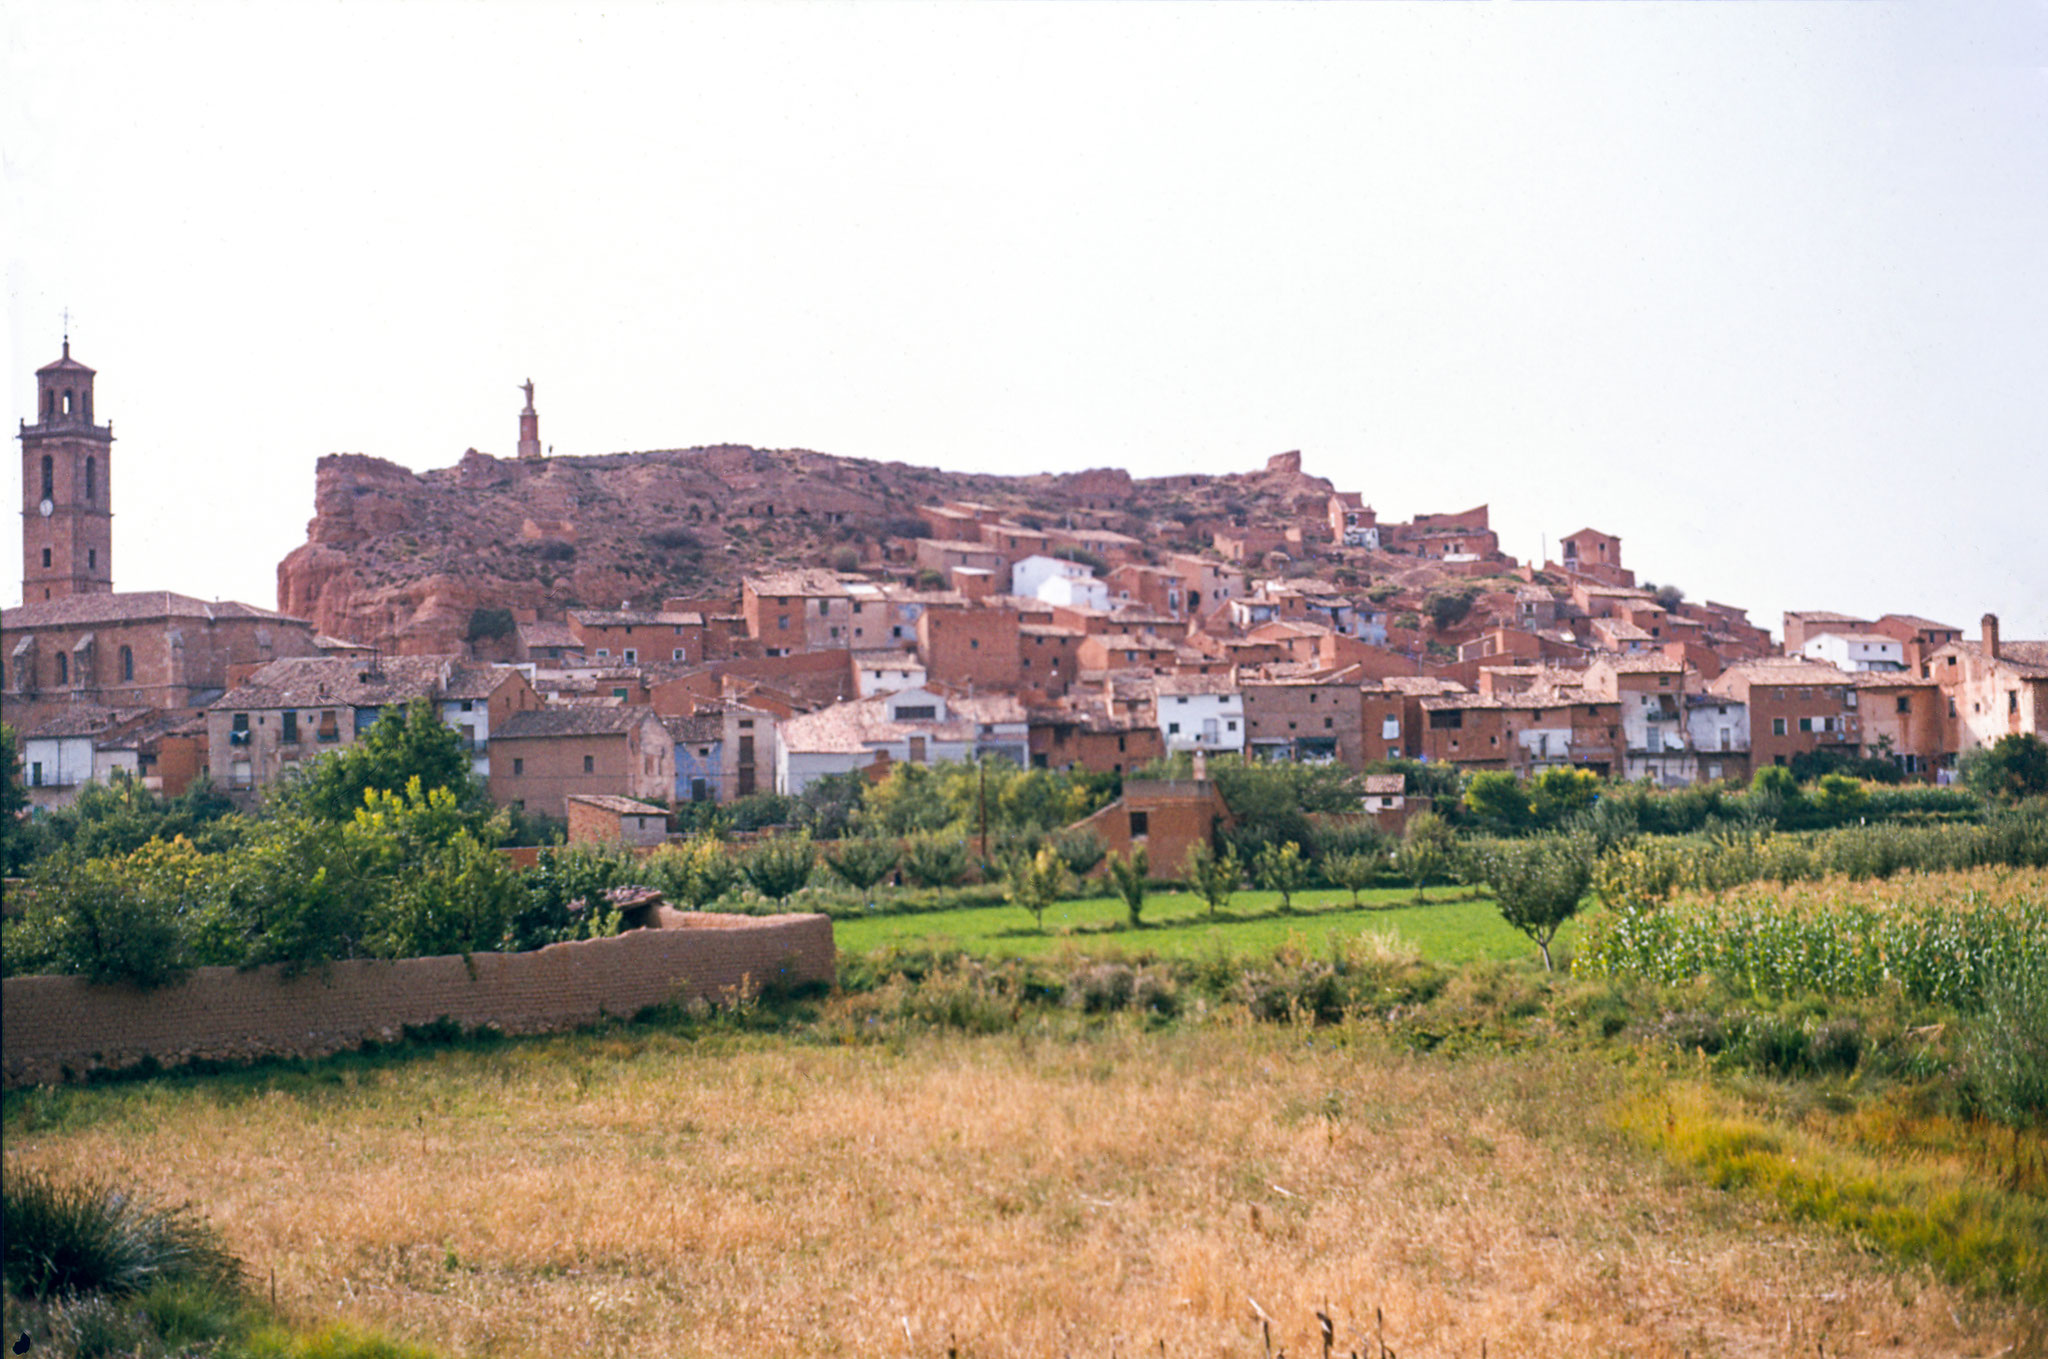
[58, 1028]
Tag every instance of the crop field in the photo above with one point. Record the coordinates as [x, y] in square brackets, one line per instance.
[1058, 1189]
[1452, 928]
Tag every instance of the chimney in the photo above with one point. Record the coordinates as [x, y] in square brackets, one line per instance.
[1991, 636]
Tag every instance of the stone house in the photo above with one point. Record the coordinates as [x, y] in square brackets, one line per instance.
[539, 758]
[1991, 688]
[636, 637]
[152, 649]
[805, 610]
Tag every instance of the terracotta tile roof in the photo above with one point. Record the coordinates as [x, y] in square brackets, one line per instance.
[634, 618]
[1419, 684]
[697, 729]
[1190, 685]
[887, 660]
[579, 719]
[622, 806]
[1890, 679]
[1919, 624]
[548, 633]
[848, 728]
[328, 681]
[1382, 785]
[84, 719]
[1657, 664]
[131, 606]
[2030, 659]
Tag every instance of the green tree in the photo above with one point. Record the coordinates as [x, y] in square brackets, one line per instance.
[1280, 868]
[2015, 767]
[1080, 849]
[111, 920]
[1559, 792]
[779, 865]
[1539, 883]
[1355, 872]
[1214, 877]
[1127, 875]
[1427, 848]
[15, 840]
[1840, 799]
[440, 887]
[863, 861]
[1499, 800]
[403, 744]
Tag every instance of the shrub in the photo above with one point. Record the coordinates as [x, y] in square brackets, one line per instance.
[935, 860]
[1080, 849]
[87, 1236]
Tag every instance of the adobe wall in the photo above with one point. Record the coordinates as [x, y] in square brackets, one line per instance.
[52, 1028]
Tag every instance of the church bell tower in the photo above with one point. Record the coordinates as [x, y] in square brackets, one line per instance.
[67, 531]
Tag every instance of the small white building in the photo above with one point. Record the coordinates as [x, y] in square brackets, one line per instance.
[1856, 650]
[913, 726]
[1718, 727]
[886, 672]
[1084, 592]
[1200, 712]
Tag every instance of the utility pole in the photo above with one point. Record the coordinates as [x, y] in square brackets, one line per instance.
[981, 778]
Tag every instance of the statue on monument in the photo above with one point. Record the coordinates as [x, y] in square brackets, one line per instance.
[527, 387]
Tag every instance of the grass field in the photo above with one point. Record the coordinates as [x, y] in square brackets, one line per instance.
[1455, 927]
[1059, 1189]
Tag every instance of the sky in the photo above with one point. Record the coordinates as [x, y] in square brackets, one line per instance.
[1762, 288]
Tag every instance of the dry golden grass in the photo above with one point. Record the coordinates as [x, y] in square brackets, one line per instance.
[1028, 1194]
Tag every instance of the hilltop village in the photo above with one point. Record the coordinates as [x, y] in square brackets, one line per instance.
[704, 625]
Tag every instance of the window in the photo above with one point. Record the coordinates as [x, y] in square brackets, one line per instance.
[1777, 726]
[1141, 824]
[2012, 700]
[676, 655]
[518, 765]
[91, 480]
[1328, 723]
[35, 774]
[917, 712]
[1806, 724]
[631, 656]
[1390, 729]
[50, 486]
[590, 764]
[92, 559]
[290, 733]
[238, 735]
[604, 653]
[1231, 725]
[128, 664]
[974, 643]
[329, 732]
[1173, 728]
[1446, 719]
[782, 622]
[64, 670]
[46, 559]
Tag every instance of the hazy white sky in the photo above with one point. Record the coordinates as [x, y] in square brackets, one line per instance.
[1760, 287]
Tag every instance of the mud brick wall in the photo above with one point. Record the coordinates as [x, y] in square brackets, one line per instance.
[55, 1028]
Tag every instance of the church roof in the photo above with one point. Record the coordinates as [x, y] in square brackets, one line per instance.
[67, 364]
[130, 606]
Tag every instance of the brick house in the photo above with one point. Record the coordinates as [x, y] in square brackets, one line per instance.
[806, 610]
[1049, 658]
[971, 647]
[1086, 734]
[1305, 718]
[540, 757]
[1166, 818]
[634, 637]
[1795, 706]
[1801, 624]
[1904, 720]
[603, 819]
[1918, 638]
[296, 710]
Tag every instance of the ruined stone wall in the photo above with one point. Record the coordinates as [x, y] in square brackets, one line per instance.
[54, 1028]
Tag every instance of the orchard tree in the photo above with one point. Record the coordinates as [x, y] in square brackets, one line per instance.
[1213, 876]
[779, 865]
[1127, 874]
[1351, 871]
[1539, 883]
[403, 744]
[1280, 868]
[863, 861]
[1426, 851]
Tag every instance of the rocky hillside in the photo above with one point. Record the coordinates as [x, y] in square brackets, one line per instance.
[403, 559]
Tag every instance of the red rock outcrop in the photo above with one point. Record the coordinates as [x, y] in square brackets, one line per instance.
[402, 559]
